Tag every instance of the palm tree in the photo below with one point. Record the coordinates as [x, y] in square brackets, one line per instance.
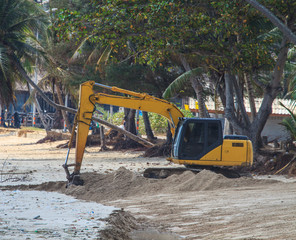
[19, 48]
[290, 122]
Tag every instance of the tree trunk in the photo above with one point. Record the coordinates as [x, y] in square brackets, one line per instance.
[253, 131]
[271, 92]
[202, 109]
[250, 92]
[41, 115]
[229, 107]
[241, 115]
[169, 136]
[103, 142]
[61, 102]
[130, 123]
[148, 129]
[198, 88]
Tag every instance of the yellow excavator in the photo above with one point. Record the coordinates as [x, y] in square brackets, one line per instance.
[196, 141]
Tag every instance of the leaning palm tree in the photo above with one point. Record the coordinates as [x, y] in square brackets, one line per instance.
[20, 20]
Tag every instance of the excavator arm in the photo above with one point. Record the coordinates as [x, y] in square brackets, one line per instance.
[87, 100]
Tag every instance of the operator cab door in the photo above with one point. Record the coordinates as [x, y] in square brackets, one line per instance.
[198, 137]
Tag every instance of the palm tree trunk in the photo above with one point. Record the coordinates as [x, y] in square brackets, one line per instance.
[61, 102]
[39, 110]
[41, 115]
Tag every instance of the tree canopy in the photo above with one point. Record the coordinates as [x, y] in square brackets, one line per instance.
[224, 45]
[231, 41]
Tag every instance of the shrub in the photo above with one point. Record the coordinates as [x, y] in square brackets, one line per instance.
[158, 123]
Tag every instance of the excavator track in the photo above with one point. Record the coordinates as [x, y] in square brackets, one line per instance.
[161, 173]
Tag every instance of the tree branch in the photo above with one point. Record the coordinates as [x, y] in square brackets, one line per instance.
[283, 28]
[229, 109]
[240, 101]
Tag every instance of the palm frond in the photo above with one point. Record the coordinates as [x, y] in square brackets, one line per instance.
[292, 53]
[79, 50]
[93, 55]
[290, 126]
[292, 115]
[101, 63]
[3, 62]
[274, 33]
[178, 83]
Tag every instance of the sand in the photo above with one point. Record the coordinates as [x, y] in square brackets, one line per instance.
[187, 206]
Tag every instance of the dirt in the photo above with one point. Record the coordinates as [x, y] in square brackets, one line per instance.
[53, 136]
[124, 183]
[206, 205]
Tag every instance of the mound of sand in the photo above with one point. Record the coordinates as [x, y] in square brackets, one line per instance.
[124, 183]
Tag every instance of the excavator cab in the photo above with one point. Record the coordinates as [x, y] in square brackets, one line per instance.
[196, 137]
[199, 141]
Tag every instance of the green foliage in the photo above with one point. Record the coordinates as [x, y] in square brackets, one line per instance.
[82, 6]
[187, 113]
[101, 109]
[223, 33]
[215, 35]
[122, 74]
[290, 126]
[290, 123]
[117, 118]
[159, 124]
[19, 21]
[178, 84]
[290, 74]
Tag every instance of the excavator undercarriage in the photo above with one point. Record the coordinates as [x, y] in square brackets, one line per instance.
[161, 173]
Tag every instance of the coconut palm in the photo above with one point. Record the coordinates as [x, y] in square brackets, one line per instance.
[290, 122]
[20, 20]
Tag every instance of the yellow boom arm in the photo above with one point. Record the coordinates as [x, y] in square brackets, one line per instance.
[139, 101]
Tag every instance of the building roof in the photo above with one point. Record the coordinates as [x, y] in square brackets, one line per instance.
[277, 109]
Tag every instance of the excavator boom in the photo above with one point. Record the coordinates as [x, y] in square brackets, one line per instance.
[139, 101]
